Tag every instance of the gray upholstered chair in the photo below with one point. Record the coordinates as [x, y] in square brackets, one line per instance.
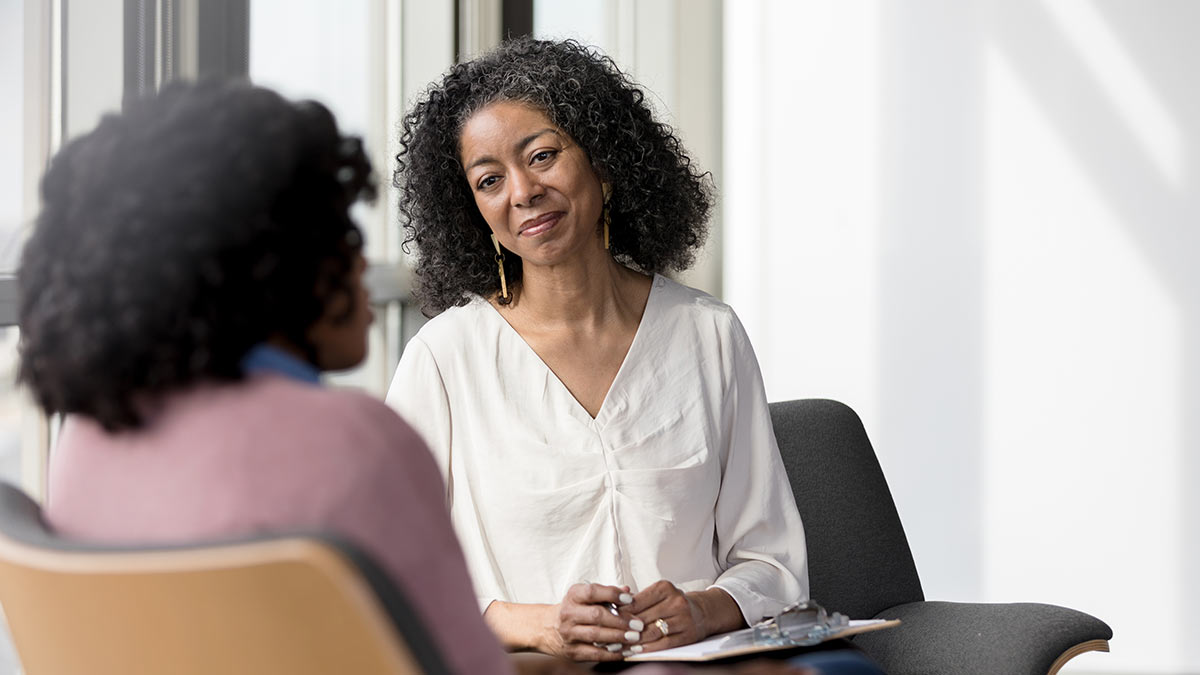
[295, 604]
[860, 564]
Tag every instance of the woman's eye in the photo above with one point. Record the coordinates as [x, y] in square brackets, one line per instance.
[488, 182]
[541, 156]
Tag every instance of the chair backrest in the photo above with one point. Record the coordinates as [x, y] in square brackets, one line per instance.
[294, 604]
[859, 561]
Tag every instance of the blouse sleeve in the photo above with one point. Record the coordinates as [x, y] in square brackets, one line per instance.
[418, 393]
[759, 534]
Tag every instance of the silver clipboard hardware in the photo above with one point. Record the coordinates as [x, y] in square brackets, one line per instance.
[802, 624]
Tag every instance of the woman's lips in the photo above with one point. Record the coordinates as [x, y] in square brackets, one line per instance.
[536, 226]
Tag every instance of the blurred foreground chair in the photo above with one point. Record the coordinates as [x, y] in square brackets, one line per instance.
[294, 604]
[860, 564]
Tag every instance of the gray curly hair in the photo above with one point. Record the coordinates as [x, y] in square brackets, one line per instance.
[660, 204]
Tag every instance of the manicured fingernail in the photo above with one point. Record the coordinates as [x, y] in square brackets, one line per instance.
[632, 636]
[636, 624]
[616, 647]
[628, 652]
[625, 598]
[636, 649]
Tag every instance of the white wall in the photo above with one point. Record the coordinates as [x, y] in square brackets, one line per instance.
[976, 221]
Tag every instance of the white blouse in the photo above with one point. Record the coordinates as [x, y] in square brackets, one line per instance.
[678, 477]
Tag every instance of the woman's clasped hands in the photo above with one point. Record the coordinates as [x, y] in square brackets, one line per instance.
[595, 622]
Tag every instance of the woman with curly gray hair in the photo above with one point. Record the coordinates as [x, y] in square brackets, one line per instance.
[603, 430]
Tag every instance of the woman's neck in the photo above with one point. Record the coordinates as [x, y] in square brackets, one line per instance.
[587, 293]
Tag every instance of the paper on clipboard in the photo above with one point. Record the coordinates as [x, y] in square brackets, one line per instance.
[721, 646]
[802, 624]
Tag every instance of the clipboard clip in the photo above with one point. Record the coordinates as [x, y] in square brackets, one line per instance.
[801, 624]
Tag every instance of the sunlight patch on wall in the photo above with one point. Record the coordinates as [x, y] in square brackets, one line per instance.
[1077, 325]
[1127, 88]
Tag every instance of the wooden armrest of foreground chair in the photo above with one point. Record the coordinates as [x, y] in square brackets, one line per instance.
[288, 604]
[860, 564]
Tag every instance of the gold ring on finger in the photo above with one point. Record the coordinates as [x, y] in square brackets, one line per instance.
[662, 626]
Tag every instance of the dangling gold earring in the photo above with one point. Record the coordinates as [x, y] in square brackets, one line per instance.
[607, 211]
[504, 299]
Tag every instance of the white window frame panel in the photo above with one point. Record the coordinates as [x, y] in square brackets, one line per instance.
[42, 103]
[479, 26]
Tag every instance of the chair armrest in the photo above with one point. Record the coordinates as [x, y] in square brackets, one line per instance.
[985, 639]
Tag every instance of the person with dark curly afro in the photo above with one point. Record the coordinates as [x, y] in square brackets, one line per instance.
[168, 247]
[192, 270]
[594, 419]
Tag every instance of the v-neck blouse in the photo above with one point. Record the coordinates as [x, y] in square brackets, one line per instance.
[678, 476]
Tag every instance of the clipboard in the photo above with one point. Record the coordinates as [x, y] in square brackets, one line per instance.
[801, 625]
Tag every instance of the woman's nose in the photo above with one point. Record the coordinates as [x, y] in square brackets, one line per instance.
[526, 189]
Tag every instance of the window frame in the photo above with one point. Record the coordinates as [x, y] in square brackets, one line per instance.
[42, 98]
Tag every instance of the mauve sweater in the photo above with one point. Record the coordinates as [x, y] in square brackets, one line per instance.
[269, 454]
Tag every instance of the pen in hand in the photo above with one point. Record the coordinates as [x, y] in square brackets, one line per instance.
[632, 635]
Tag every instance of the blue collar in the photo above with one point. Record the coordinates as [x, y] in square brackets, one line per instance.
[266, 358]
